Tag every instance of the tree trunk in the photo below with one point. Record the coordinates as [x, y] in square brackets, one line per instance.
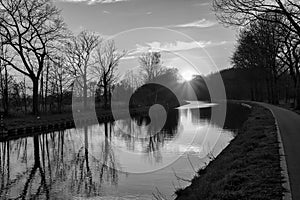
[42, 93]
[85, 94]
[46, 88]
[105, 92]
[52, 94]
[35, 96]
[298, 93]
[109, 94]
[2, 90]
[58, 99]
[268, 90]
[276, 92]
[24, 96]
[287, 94]
[105, 95]
[61, 96]
[6, 99]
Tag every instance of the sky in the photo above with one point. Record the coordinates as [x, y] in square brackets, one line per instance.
[185, 31]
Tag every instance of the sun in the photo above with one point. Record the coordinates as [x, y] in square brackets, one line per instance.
[187, 75]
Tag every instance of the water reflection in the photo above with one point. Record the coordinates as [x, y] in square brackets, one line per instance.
[136, 130]
[84, 162]
[55, 165]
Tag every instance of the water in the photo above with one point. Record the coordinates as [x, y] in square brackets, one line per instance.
[93, 162]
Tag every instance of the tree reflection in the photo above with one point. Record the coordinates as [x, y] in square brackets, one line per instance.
[107, 158]
[153, 147]
[82, 177]
[135, 131]
[91, 171]
[56, 164]
[42, 188]
[4, 161]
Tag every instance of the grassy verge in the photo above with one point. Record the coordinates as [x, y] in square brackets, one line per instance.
[249, 168]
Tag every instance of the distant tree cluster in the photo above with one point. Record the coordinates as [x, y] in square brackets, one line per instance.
[268, 45]
[152, 83]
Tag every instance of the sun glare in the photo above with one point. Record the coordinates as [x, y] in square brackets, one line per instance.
[187, 75]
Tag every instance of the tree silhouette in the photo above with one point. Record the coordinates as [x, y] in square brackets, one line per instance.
[79, 54]
[242, 12]
[150, 65]
[258, 47]
[107, 59]
[30, 30]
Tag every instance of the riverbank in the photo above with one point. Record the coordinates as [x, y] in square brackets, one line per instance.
[29, 125]
[249, 168]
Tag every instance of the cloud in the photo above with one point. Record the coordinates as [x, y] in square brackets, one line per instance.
[90, 2]
[129, 57]
[106, 12]
[149, 13]
[202, 23]
[203, 4]
[175, 47]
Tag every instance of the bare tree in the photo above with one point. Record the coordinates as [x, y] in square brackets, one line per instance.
[258, 47]
[286, 17]
[4, 78]
[242, 12]
[30, 29]
[131, 80]
[79, 53]
[46, 83]
[289, 56]
[107, 60]
[23, 88]
[151, 66]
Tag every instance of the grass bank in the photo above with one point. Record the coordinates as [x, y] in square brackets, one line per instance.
[249, 168]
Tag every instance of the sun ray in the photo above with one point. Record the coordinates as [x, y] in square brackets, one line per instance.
[187, 75]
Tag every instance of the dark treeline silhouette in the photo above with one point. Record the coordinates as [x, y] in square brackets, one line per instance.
[247, 84]
[267, 54]
[153, 83]
[151, 94]
[250, 84]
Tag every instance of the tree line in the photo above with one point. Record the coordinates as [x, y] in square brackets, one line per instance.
[268, 46]
[40, 59]
[42, 63]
